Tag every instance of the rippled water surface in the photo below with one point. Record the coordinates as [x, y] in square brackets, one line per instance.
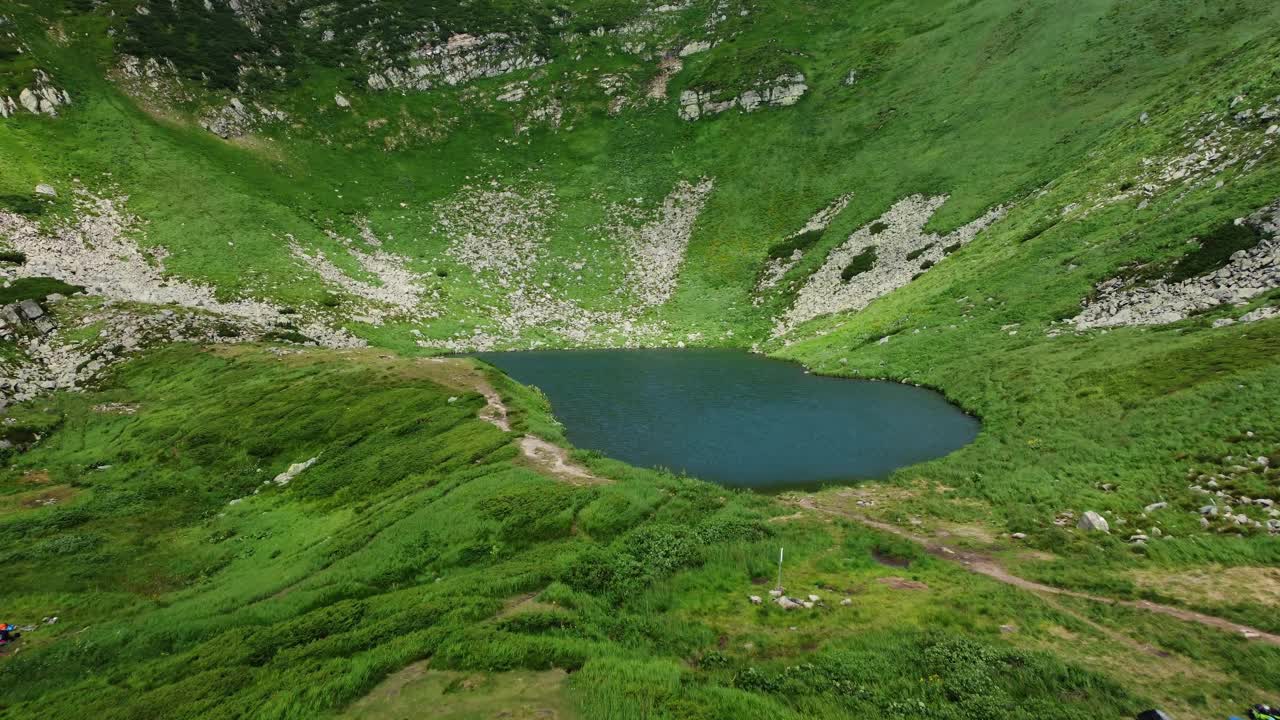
[736, 418]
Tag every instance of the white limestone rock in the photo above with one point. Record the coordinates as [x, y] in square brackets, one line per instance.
[1093, 522]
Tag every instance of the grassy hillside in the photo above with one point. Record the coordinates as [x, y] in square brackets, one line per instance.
[418, 535]
[424, 562]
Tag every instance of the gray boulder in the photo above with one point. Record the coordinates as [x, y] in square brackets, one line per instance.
[30, 309]
[46, 190]
[787, 603]
[1093, 521]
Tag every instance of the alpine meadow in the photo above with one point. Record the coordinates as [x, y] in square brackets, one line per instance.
[639, 359]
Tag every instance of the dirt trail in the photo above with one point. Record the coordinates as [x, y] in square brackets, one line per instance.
[547, 457]
[992, 568]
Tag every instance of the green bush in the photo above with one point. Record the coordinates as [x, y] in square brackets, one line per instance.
[1215, 250]
[24, 204]
[35, 288]
[787, 248]
[861, 263]
[919, 251]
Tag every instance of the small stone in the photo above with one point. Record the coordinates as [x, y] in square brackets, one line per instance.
[849, 601]
[756, 600]
[814, 598]
[1018, 535]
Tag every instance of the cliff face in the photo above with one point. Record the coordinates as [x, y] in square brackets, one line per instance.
[236, 66]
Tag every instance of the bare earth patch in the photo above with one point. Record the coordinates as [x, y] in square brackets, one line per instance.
[554, 460]
[898, 583]
[420, 692]
[1215, 585]
[36, 477]
[36, 499]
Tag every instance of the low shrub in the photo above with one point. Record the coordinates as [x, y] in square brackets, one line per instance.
[920, 251]
[1215, 251]
[803, 241]
[861, 263]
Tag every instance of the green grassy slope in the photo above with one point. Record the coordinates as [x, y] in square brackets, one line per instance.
[415, 535]
[418, 535]
[992, 104]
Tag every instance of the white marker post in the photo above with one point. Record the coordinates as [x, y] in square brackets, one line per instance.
[780, 568]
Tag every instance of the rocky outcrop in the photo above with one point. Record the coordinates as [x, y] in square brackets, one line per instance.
[901, 250]
[782, 91]
[52, 359]
[154, 81]
[42, 98]
[292, 472]
[460, 59]
[695, 47]
[1248, 274]
[25, 318]
[236, 118]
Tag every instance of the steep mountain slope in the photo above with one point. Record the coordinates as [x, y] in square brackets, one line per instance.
[1063, 217]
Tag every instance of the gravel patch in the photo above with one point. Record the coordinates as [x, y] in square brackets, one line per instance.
[1248, 274]
[902, 249]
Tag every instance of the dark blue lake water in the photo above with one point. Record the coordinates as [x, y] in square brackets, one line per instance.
[738, 419]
